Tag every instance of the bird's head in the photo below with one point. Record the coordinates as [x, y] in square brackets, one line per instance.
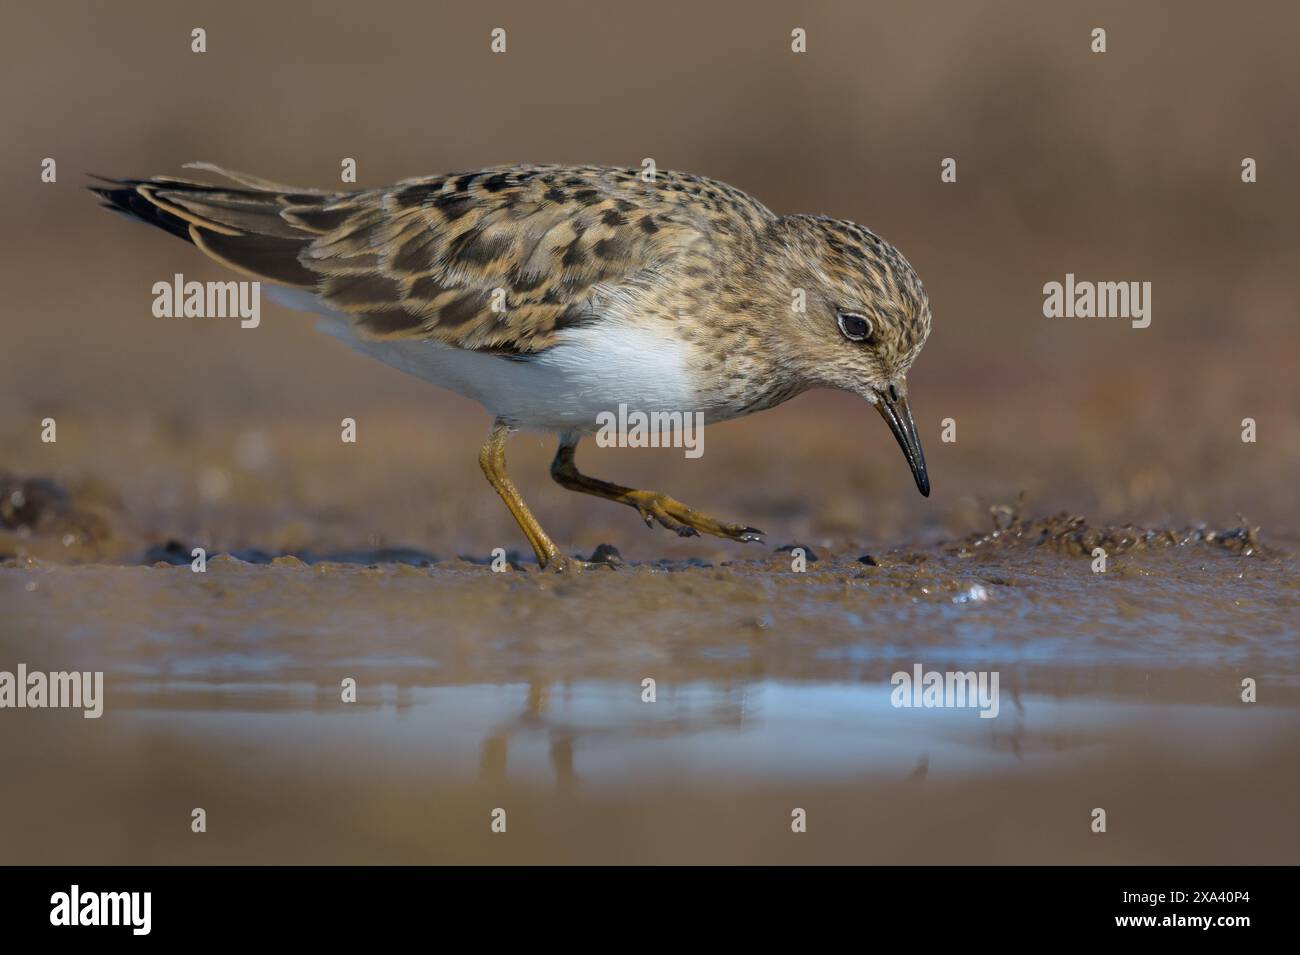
[859, 317]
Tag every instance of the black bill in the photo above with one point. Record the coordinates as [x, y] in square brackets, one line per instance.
[894, 409]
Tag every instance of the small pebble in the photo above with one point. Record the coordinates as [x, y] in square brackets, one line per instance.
[808, 551]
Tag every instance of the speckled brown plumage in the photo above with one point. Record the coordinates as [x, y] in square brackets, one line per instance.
[422, 258]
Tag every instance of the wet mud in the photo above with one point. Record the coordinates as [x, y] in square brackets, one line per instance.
[524, 690]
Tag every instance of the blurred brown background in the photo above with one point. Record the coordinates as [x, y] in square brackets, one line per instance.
[1122, 166]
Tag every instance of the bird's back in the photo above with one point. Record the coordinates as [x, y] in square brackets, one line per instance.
[502, 259]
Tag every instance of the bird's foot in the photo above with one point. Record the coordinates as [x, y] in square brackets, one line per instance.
[685, 521]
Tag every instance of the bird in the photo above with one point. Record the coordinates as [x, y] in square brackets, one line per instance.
[551, 294]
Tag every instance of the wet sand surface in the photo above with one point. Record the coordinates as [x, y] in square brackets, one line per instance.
[523, 690]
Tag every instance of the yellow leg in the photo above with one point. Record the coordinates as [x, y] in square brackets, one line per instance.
[492, 459]
[672, 514]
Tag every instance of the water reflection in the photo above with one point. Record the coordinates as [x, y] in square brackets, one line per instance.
[599, 734]
[567, 727]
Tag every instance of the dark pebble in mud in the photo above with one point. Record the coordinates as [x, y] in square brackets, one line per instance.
[808, 551]
[606, 554]
[868, 560]
[173, 552]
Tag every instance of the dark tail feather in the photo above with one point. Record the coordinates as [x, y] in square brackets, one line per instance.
[135, 206]
[241, 227]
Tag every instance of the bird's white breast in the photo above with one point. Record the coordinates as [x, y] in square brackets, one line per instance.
[593, 368]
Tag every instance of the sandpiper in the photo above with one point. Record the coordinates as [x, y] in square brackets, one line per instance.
[551, 294]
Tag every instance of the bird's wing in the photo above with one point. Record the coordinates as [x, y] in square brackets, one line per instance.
[498, 260]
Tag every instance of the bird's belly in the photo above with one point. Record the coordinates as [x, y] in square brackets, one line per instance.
[593, 369]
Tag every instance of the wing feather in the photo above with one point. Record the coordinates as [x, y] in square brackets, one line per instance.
[502, 259]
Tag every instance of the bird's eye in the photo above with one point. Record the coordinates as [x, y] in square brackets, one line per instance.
[856, 328]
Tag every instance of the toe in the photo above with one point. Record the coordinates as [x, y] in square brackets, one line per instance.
[676, 526]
